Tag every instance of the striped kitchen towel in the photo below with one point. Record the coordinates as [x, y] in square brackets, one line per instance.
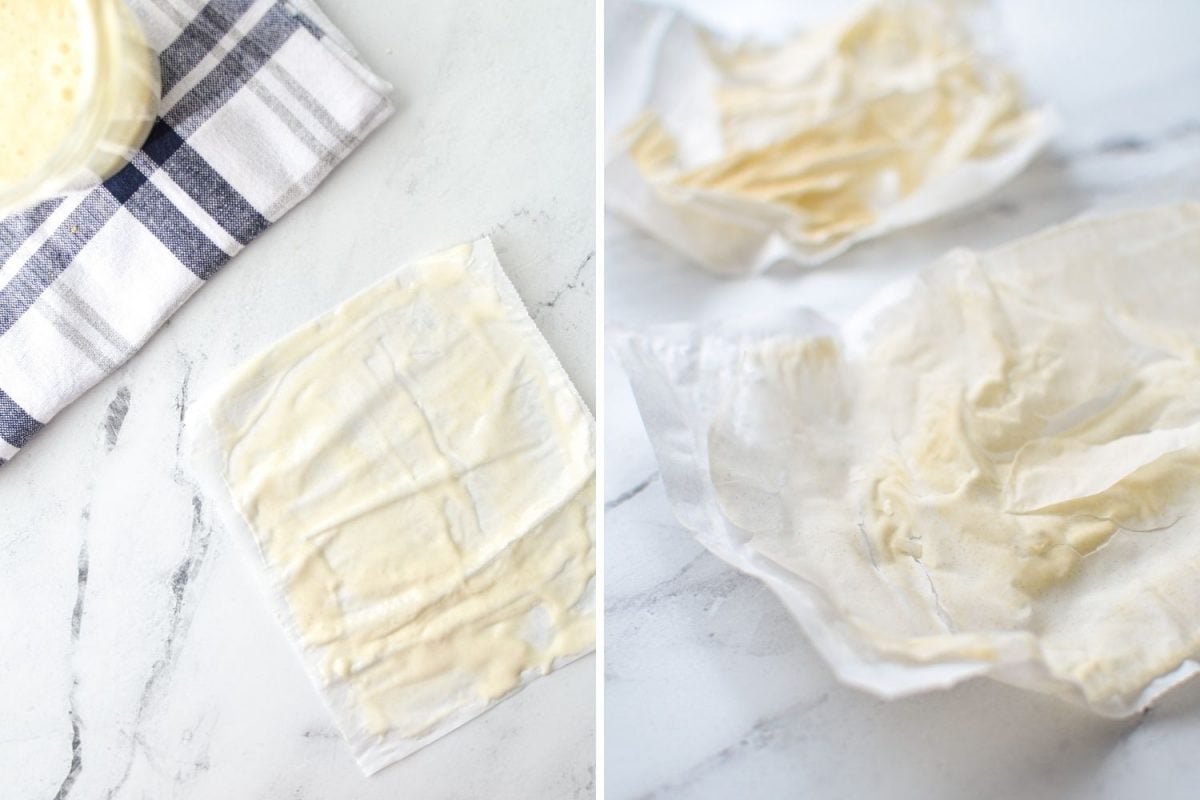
[261, 99]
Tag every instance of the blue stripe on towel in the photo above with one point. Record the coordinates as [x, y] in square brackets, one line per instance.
[16, 424]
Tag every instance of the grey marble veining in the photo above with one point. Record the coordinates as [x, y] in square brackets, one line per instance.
[138, 657]
[711, 689]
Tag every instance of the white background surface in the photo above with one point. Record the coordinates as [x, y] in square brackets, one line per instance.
[180, 681]
[711, 690]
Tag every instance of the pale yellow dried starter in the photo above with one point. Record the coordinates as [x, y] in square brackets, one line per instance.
[838, 125]
[1006, 467]
[417, 471]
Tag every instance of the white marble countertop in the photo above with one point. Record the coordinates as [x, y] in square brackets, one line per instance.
[137, 658]
[711, 690]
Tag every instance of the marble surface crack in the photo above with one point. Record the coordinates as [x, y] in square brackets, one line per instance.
[81, 578]
[114, 419]
[181, 405]
[679, 584]
[574, 283]
[182, 578]
[760, 735]
[1129, 144]
[327, 734]
[503, 226]
[627, 495]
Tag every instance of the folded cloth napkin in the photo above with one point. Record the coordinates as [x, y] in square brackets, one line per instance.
[261, 99]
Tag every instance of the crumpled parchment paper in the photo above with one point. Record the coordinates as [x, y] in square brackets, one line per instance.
[771, 434]
[744, 154]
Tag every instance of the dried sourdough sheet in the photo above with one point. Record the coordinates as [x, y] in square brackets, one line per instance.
[748, 153]
[413, 473]
[993, 469]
